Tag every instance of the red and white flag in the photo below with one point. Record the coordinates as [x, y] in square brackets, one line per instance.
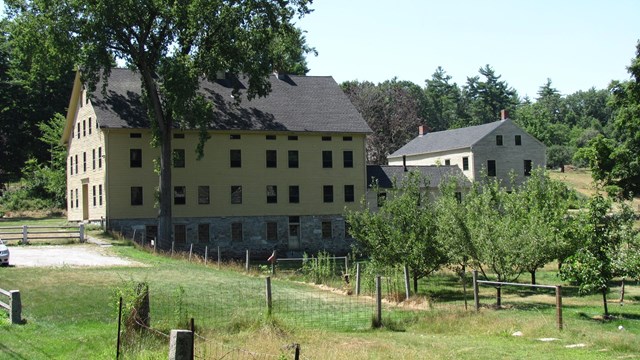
[272, 258]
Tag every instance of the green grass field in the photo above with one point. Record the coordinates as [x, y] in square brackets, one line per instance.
[70, 313]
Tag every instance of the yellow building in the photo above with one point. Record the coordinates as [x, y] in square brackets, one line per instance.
[277, 172]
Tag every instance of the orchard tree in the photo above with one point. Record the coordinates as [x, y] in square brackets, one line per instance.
[172, 45]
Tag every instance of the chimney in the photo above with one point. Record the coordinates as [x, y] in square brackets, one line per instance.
[504, 114]
[279, 75]
[404, 162]
[422, 130]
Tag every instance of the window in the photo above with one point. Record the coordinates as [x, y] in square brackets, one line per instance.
[94, 196]
[327, 160]
[136, 195]
[90, 126]
[270, 137]
[234, 137]
[447, 162]
[203, 233]
[518, 140]
[272, 231]
[93, 159]
[292, 137]
[327, 193]
[347, 157]
[78, 130]
[349, 193]
[100, 157]
[150, 232]
[135, 158]
[326, 230]
[179, 195]
[71, 164]
[527, 167]
[465, 163]
[235, 158]
[97, 125]
[458, 196]
[293, 158]
[203, 195]
[491, 168]
[236, 194]
[77, 164]
[77, 198]
[272, 158]
[499, 140]
[71, 198]
[382, 197]
[84, 162]
[180, 233]
[84, 128]
[236, 231]
[100, 194]
[272, 194]
[294, 194]
[347, 138]
[178, 158]
[135, 135]
[178, 136]
[326, 138]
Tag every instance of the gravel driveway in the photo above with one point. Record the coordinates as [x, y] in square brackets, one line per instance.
[65, 255]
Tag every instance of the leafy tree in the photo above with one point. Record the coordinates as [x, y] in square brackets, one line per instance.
[444, 102]
[558, 156]
[403, 231]
[604, 232]
[487, 97]
[172, 46]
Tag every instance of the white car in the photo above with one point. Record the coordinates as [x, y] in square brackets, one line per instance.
[4, 254]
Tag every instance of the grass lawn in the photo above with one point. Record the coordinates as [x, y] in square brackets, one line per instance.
[70, 313]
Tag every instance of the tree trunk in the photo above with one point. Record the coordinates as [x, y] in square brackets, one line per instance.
[415, 283]
[533, 277]
[622, 291]
[604, 301]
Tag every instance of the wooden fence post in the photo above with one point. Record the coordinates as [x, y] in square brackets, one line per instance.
[246, 266]
[378, 301]
[476, 298]
[498, 297]
[81, 233]
[180, 345]
[268, 294]
[173, 245]
[357, 279]
[218, 257]
[407, 288]
[559, 306]
[206, 254]
[16, 306]
[190, 251]
[25, 234]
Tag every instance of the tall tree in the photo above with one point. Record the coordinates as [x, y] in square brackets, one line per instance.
[488, 95]
[172, 45]
[444, 102]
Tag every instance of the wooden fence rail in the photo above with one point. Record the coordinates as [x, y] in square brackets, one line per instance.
[14, 306]
[26, 233]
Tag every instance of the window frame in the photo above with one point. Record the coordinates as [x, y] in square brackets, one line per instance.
[327, 194]
[347, 159]
[271, 157]
[492, 171]
[349, 193]
[137, 196]
[327, 159]
[179, 158]
[465, 163]
[293, 157]
[179, 198]
[236, 194]
[204, 199]
[294, 196]
[235, 158]
[272, 194]
[135, 158]
[499, 140]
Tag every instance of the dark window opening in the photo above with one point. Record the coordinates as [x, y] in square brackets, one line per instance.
[178, 136]
[203, 195]
[491, 168]
[347, 138]
[327, 159]
[135, 135]
[326, 138]
[203, 233]
[465, 163]
[327, 193]
[347, 157]
[527, 167]
[136, 195]
[293, 158]
[518, 140]
[271, 137]
[272, 158]
[178, 158]
[235, 158]
[499, 140]
[179, 195]
[349, 193]
[292, 137]
[294, 194]
[180, 233]
[272, 194]
[234, 137]
[326, 230]
[135, 158]
[447, 162]
[272, 231]
[236, 194]
[236, 231]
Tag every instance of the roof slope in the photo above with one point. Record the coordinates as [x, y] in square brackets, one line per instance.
[447, 140]
[296, 103]
[385, 174]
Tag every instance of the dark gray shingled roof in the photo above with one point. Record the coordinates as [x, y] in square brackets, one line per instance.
[385, 174]
[447, 140]
[296, 103]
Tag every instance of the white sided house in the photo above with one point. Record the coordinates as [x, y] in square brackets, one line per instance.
[498, 149]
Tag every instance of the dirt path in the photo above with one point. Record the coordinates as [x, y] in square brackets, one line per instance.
[65, 255]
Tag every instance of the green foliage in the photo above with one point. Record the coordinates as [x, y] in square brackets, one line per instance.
[320, 269]
[135, 306]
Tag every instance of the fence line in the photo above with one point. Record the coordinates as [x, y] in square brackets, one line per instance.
[26, 233]
[14, 306]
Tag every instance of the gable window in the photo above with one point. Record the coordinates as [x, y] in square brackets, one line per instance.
[527, 167]
[93, 159]
[270, 137]
[326, 230]
[347, 138]
[234, 136]
[327, 159]
[90, 126]
[294, 194]
[100, 157]
[135, 135]
[272, 158]
[178, 136]
[100, 194]
[347, 158]
[293, 158]
[203, 195]
[179, 195]
[235, 158]
[272, 231]
[499, 140]
[135, 158]
[136, 195]
[236, 231]
[491, 168]
[203, 233]
[272, 194]
[327, 193]
[465, 163]
[236, 194]
[180, 233]
[292, 137]
[349, 193]
[94, 196]
[518, 140]
[447, 162]
[178, 158]
[326, 138]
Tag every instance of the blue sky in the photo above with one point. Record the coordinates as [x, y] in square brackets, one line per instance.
[577, 44]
